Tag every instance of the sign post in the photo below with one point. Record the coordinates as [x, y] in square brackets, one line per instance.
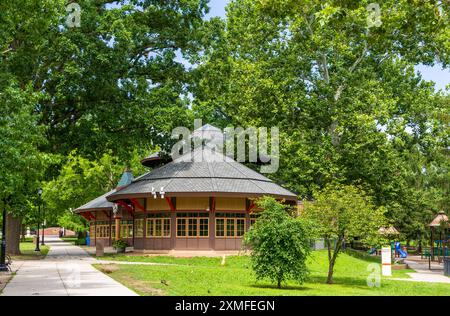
[386, 261]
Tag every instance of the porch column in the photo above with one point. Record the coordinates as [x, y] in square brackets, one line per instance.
[95, 229]
[117, 219]
[110, 227]
[212, 222]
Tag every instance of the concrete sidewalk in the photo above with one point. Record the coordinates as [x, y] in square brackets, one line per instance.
[66, 271]
[423, 274]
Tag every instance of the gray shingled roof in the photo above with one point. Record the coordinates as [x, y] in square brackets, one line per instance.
[205, 172]
[100, 203]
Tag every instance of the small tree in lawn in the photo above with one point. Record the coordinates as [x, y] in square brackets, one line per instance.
[279, 244]
[342, 213]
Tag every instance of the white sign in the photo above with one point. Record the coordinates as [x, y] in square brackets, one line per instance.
[386, 261]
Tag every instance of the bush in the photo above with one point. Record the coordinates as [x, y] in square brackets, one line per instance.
[120, 244]
[80, 242]
[279, 244]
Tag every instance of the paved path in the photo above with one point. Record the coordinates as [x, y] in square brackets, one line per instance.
[66, 271]
[423, 274]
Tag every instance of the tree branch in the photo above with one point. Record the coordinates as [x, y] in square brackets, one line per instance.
[323, 57]
[352, 68]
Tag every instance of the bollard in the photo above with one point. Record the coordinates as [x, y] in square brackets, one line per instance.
[99, 249]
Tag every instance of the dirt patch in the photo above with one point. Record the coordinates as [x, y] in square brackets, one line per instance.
[5, 277]
[142, 287]
[108, 268]
[400, 266]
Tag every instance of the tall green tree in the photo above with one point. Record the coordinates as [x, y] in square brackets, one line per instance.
[21, 163]
[108, 86]
[111, 83]
[342, 214]
[344, 92]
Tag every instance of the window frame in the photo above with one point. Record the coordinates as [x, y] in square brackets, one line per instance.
[163, 218]
[136, 227]
[126, 226]
[252, 219]
[230, 216]
[198, 216]
[101, 229]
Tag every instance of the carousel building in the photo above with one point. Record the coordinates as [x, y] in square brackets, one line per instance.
[205, 202]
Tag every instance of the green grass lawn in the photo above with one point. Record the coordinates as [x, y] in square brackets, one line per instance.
[206, 276]
[28, 253]
[72, 240]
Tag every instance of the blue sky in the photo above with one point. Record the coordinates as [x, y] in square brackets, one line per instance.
[436, 74]
[217, 8]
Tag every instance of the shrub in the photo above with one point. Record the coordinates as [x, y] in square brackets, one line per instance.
[80, 242]
[120, 244]
[279, 244]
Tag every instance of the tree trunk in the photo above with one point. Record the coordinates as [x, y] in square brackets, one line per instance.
[330, 273]
[13, 225]
[23, 232]
[330, 261]
[332, 258]
[279, 284]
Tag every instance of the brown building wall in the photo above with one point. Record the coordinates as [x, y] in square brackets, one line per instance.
[211, 242]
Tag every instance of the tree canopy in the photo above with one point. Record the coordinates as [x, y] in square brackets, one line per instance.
[110, 83]
[345, 95]
[108, 86]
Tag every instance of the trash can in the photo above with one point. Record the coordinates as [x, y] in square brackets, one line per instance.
[447, 266]
[88, 239]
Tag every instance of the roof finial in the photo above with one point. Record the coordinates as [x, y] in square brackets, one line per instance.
[126, 179]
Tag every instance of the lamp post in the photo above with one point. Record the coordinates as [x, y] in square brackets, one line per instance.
[39, 219]
[3, 266]
[43, 225]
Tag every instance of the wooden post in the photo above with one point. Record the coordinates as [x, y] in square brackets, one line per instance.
[212, 222]
[117, 219]
[110, 227]
[133, 231]
[95, 231]
[144, 227]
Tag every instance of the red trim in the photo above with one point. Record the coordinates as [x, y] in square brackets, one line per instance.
[213, 206]
[91, 216]
[137, 204]
[187, 211]
[169, 201]
[107, 215]
[86, 216]
[251, 207]
[126, 206]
